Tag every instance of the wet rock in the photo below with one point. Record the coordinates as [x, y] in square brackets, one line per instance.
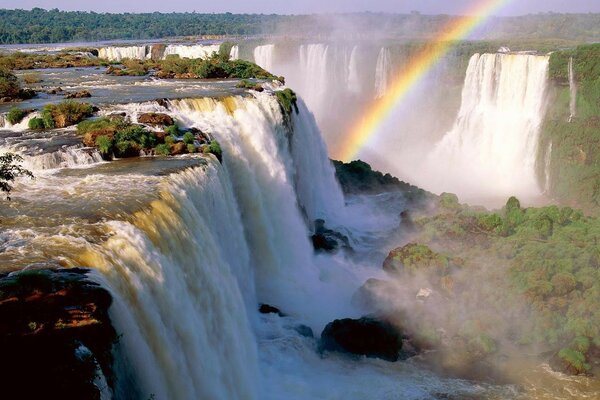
[269, 309]
[178, 148]
[372, 295]
[78, 95]
[55, 334]
[57, 90]
[328, 240]
[89, 139]
[365, 336]
[155, 119]
[305, 331]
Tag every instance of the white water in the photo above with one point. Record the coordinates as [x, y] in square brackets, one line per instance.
[491, 150]
[573, 91]
[234, 53]
[263, 56]
[115, 53]
[193, 51]
[354, 82]
[547, 171]
[181, 279]
[383, 72]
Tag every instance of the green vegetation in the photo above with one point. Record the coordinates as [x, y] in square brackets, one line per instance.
[36, 124]
[54, 26]
[215, 148]
[287, 100]
[15, 115]
[358, 177]
[9, 85]
[24, 61]
[245, 84]
[130, 68]
[544, 258]
[225, 49]
[162, 149]
[65, 114]
[575, 157]
[214, 67]
[10, 169]
[188, 138]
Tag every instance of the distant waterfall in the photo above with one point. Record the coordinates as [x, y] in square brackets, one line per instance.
[382, 72]
[493, 145]
[193, 52]
[573, 91]
[354, 83]
[547, 171]
[234, 53]
[120, 53]
[263, 56]
[313, 64]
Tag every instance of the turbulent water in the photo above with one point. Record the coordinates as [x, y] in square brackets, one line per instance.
[189, 246]
[118, 53]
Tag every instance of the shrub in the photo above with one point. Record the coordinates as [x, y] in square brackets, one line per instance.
[162, 149]
[215, 148]
[191, 148]
[9, 85]
[188, 138]
[15, 115]
[33, 77]
[66, 113]
[90, 125]
[287, 100]
[126, 148]
[105, 145]
[36, 124]
[172, 130]
[47, 119]
[169, 140]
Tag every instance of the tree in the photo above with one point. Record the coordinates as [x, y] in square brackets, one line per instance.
[10, 170]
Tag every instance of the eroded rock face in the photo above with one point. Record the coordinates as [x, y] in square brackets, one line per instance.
[55, 334]
[155, 119]
[365, 336]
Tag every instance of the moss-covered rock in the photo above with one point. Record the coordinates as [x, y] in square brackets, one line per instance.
[413, 258]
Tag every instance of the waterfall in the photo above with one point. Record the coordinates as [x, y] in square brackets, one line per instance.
[383, 71]
[493, 145]
[263, 56]
[354, 84]
[194, 51]
[114, 53]
[313, 64]
[234, 54]
[181, 281]
[573, 91]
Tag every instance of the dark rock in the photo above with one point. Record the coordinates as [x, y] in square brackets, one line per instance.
[365, 336]
[54, 335]
[371, 296]
[57, 90]
[78, 95]
[178, 148]
[163, 103]
[305, 331]
[155, 119]
[268, 309]
[328, 240]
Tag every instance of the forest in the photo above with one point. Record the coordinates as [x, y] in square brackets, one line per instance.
[55, 26]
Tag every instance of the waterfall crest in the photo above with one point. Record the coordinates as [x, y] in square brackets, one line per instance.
[181, 279]
[383, 71]
[263, 56]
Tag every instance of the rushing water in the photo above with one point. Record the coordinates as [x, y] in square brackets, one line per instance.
[189, 246]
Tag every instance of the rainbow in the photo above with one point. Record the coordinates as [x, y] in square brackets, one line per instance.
[456, 29]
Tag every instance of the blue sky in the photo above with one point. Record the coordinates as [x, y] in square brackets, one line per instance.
[516, 7]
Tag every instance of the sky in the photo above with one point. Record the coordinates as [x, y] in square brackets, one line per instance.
[515, 7]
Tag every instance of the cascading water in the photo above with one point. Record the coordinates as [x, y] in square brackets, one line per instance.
[354, 82]
[313, 63]
[179, 273]
[234, 53]
[573, 91]
[195, 51]
[383, 71]
[114, 53]
[263, 56]
[491, 150]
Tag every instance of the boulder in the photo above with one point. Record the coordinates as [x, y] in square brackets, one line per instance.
[155, 119]
[415, 257]
[178, 148]
[372, 295]
[78, 95]
[55, 334]
[269, 309]
[365, 336]
[89, 139]
[328, 240]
